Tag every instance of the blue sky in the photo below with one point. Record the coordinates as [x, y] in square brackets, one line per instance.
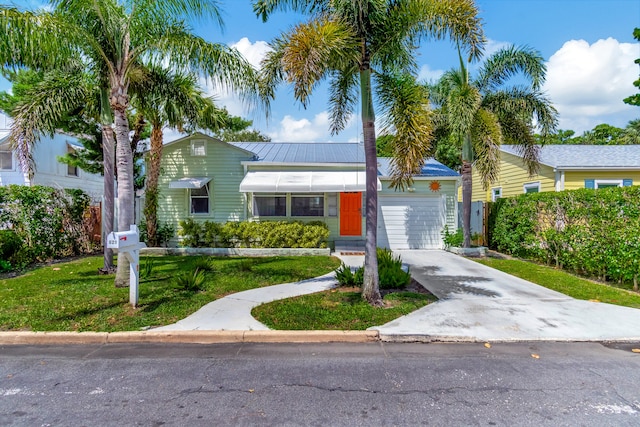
[587, 44]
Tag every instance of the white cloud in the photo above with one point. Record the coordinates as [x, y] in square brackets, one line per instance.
[254, 52]
[587, 83]
[291, 129]
[426, 74]
[302, 130]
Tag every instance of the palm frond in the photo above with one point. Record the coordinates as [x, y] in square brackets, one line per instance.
[343, 97]
[486, 137]
[314, 49]
[405, 105]
[508, 62]
[454, 19]
[264, 8]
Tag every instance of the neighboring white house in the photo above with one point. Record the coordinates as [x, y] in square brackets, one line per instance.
[48, 170]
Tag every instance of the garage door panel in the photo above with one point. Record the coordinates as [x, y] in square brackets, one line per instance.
[410, 222]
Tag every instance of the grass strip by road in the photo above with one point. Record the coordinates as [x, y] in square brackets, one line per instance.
[337, 309]
[568, 284]
[72, 296]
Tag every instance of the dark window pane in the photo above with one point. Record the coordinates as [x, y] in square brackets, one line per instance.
[199, 205]
[270, 206]
[6, 160]
[307, 206]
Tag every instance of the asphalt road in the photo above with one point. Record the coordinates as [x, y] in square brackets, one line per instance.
[517, 384]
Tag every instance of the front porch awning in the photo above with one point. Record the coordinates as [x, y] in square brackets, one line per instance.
[189, 183]
[303, 182]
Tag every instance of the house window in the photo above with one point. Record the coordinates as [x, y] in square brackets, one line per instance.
[269, 205]
[606, 183]
[72, 170]
[332, 204]
[532, 187]
[496, 193]
[199, 148]
[6, 160]
[199, 200]
[307, 205]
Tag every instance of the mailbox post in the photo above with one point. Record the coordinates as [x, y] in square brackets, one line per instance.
[128, 243]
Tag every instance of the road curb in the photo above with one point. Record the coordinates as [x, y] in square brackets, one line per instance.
[186, 337]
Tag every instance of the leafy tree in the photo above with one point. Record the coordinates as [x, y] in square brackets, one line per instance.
[635, 99]
[237, 129]
[483, 113]
[365, 46]
[113, 36]
[602, 134]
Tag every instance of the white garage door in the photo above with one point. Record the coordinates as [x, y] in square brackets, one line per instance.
[410, 222]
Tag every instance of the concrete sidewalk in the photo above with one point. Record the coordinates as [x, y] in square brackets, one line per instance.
[478, 303]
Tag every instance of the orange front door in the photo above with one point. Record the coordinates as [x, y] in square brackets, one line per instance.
[351, 214]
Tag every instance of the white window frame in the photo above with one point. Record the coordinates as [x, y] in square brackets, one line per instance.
[208, 197]
[196, 148]
[529, 185]
[496, 193]
[10, 153]
[608, 182]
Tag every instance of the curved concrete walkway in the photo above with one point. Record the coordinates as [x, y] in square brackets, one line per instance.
[233, 312]
[477, 303]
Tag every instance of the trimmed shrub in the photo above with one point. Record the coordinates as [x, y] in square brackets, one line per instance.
[251, 234]
[595, 233]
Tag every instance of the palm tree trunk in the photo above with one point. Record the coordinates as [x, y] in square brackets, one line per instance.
[151, 198]
[108, 148]
[370, 286]
[466, 203]
[124, 166]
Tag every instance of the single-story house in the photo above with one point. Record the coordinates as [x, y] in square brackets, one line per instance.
[563, 167]
[209, 180]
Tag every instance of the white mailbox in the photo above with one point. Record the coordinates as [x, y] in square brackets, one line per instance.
[122, 240]
[127, 244]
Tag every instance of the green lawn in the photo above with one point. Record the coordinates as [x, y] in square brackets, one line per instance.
[337, 309]
[71, 296]
[565, 283]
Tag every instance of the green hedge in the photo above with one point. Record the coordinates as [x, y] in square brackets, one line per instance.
[41, 223]
[595, 233]
[251, 234]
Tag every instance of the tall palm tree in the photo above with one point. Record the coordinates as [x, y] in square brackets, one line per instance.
[485, 112]
[114, 36]
[45, 106]
[357, 44]
[166, 98]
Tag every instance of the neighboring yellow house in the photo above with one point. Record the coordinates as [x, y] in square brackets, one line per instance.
[563, 167]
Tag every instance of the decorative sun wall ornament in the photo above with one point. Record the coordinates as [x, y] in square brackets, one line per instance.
[435, 186]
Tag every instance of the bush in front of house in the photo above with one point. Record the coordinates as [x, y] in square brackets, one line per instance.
[595, 233]
[253, 234]
[49, 222]
[390, 272]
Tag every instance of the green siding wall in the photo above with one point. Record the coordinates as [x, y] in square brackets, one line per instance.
[222, 164]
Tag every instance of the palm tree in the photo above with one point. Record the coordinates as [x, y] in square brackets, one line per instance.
[356, 44]
[485, 112]
[115, 36]
[167, 98]
[46, 104]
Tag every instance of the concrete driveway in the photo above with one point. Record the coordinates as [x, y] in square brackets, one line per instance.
[478, 303]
